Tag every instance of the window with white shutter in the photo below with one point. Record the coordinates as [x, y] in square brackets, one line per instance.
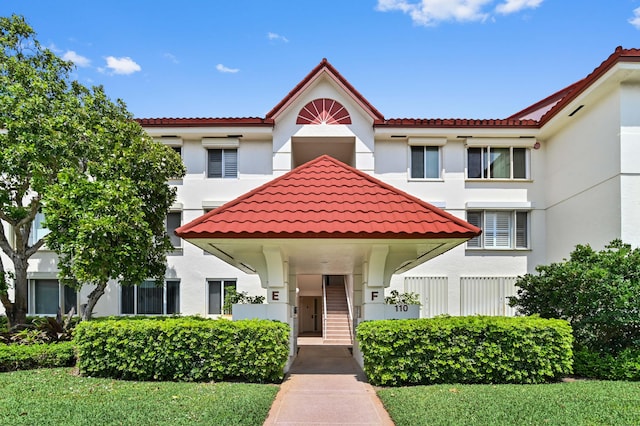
[222, 163]
[501, 229]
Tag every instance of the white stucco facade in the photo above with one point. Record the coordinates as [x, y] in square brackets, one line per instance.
[581, 185]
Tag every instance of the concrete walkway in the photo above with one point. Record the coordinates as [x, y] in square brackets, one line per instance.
[325, 386]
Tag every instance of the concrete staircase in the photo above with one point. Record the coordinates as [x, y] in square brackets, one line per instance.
[337, 325]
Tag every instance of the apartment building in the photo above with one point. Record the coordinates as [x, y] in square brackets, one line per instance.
[325, 193]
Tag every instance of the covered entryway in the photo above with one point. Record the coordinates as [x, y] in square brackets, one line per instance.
[326, 219]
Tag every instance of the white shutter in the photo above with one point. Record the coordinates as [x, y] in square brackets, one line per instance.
[434, 294]
[475, 218]
[497, 230]
[230, 161]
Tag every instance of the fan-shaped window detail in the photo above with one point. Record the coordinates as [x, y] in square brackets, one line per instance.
[323, 111]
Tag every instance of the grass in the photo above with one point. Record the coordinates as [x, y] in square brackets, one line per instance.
[57, 396]
[573, 403]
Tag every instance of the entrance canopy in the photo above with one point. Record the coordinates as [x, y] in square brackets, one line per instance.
[325, 217]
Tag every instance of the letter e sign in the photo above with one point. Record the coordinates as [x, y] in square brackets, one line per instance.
[275, 295]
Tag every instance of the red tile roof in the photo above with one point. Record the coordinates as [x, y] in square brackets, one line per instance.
[456, 123]
[542, 107]
[325, 67]
[325, 198]
[620, 55]
[534, 116]
[198, 122]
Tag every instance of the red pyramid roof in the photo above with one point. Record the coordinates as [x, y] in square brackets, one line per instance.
[325, 198]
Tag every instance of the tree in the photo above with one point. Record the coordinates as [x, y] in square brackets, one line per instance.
[80, 151]
[598, 292]
[107, 218]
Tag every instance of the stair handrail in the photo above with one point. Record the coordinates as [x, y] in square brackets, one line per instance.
[324, 309]
[350, 316]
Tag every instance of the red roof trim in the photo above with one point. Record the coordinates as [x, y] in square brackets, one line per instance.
[323, 66]
[450, 226]
[554, 98]
[329, 235]
[456, 122]
[561, 98]
[620, 55]
[202, 122]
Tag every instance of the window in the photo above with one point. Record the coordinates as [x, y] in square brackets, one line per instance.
[38, 230]
[497, 163]
[425, 162]
[216, 294]
[47, 300]
[222, 163]
[501, 229]
[172, 223]
[149, 299]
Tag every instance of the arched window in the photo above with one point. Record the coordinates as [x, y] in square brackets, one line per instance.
[323, 111]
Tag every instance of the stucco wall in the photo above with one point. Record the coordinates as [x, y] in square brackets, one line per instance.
[583, 179]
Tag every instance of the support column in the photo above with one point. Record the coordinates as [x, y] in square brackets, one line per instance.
[277, 284]
[278, 306]
[373, 284]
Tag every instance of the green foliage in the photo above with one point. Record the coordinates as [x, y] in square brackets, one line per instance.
[183, 349]
[58, 397]
[465, 350]
[579, 403]
[598, 292]
[624, 365]
[232, 296]
[397, 298]
[23, 357]
[81, 159]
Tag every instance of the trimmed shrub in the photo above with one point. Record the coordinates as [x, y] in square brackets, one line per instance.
[47, 355]
[598, 292]
[183, 349]
[465, 350]
[624, 365]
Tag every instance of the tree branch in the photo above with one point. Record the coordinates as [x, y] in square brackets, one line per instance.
[4, 244]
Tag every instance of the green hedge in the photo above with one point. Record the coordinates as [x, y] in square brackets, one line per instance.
[183, 349]
[599, 365]
[46, 355]
[465, 350]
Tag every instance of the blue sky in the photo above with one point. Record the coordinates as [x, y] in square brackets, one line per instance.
[409, 58]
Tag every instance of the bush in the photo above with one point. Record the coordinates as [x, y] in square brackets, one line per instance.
[624, 365]
[183, 349]
[24, 357]
[597, 292]
[465, 350]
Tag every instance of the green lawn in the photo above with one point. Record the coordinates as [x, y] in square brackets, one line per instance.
[56, 397]
[575, 403]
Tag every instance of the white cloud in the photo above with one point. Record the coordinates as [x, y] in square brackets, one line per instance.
[635, 21]
[274, 36]
[224, 69]
[514, 6]
[79, 60]
[170, 57]
[431, 12]
[124, 65]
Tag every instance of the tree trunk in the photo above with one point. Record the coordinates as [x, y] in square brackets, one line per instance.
[8, 310]
[17, 311]
[93, 298]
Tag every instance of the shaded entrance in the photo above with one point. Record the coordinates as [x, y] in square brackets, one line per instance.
[325, 219]
[325, 310]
